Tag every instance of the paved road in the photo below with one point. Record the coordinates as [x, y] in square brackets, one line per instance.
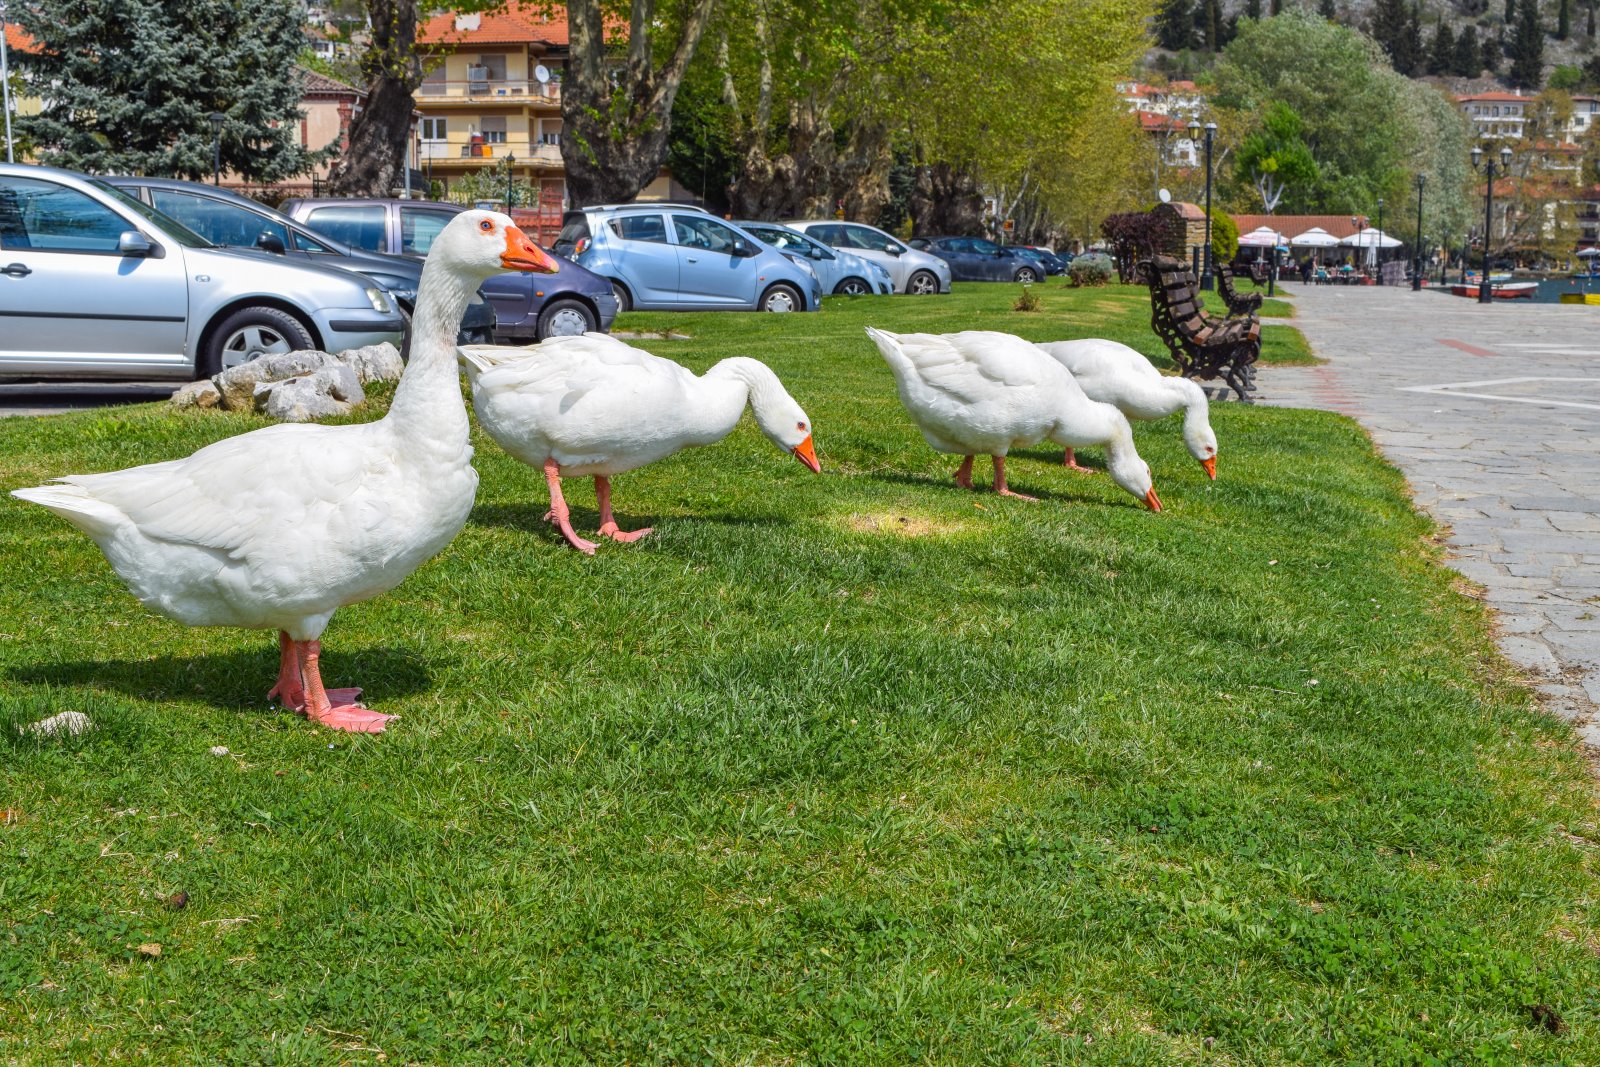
[1493, 413]
[55, 397]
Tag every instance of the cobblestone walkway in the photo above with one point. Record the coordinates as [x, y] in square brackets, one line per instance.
[1493, 413]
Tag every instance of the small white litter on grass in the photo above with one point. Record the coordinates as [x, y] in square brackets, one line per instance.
[219, 750]
[71, 723]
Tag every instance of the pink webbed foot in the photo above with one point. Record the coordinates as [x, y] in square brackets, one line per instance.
[1016, 495]
[351, 718]
[334, 708]
[1000, 487]
[288, 691]
[616, 533]
[1070, 461]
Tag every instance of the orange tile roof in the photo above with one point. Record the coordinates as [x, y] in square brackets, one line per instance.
[516, 23]
[19, 41]
[1152, 121]
[1183, 86]
[1295, 225]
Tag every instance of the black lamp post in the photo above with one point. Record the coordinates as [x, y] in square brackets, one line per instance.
[1206, 276]
[217, 119]
[511, 192]
[1377, 239]
[1416, 272]
[1489, 172]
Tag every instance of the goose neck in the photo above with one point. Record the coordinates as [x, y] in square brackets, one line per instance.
[755, 380]
[429, 394]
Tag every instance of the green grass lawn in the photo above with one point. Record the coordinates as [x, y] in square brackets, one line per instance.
[858, 768]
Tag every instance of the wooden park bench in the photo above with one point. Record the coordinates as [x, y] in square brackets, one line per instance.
[1202, 346]
[1239, 304]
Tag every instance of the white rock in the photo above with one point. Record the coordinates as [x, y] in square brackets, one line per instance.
[219, 750]
[202, 394]
[71, 723]
[332, 390]
[374, 363]
[238, 384]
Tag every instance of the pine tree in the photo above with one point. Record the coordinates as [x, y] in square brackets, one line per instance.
[1276, 6]
[1492, 49]
[1469, 57]
[1589, 28]
[129, 87]
[1391, 28]
[1252, 9]
[1564, 20]
[1442, 54]
[1416, 56]
[1511, 12]
[1527, 47]
[1326, 9]
[1175, 25]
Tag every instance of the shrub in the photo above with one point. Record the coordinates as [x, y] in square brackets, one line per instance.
[1089, 270]
[1027, 300]
[1134, 235]
[1224, 237]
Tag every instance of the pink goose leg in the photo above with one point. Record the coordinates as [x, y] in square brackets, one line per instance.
[1070, 461]
[558, 509]
[608, 523]
[1000, 480]
[964, 473]
[342, 714]
[290, 690]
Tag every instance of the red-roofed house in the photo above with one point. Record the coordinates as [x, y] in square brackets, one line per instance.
[1496, 114]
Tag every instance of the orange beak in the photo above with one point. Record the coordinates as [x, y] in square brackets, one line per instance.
[1153, 500]
[1210, 464]
[522, 254]
[807, 454]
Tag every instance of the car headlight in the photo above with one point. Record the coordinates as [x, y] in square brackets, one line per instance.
[379, 301]
[802, 264]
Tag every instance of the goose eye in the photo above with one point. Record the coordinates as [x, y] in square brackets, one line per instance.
[799, 425]
[486, 226]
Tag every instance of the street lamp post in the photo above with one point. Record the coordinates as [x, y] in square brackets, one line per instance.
[5, 83]
[511, 192]
[1206, 276]
[217, 119]
[1416, 271]
[1377, 240]
[1488, 169]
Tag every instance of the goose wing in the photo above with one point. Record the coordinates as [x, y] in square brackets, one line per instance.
[975, 365]
[567, 370]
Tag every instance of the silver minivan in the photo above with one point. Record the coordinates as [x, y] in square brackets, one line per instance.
[95, 283]
[912, 271]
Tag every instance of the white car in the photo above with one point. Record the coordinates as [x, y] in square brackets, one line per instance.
[912, 271]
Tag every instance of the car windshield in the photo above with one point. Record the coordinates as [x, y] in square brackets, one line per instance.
[172, 228]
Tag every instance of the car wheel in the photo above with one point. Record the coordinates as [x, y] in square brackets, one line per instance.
[922, 283]
[852, 287]
[1026, 276]
[565, 318]
[781, 297]
[624, 300]
[251, 333]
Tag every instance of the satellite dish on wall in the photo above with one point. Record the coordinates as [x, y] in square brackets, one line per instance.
[1165, 197]
[542, 73]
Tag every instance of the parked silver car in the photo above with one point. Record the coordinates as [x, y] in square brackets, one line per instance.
[93, 282]
[839, 272]
[912, 271]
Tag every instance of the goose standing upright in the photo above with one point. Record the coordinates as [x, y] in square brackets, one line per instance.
[1116, 374]
[594, 406]
[985, 392]
[280, 527]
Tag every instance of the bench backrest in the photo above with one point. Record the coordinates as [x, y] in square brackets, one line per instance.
[1175, 297]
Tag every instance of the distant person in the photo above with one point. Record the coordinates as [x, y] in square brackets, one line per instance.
[1305, 271]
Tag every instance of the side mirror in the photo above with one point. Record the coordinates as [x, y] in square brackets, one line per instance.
[270, 242]
[133, 243]
[895, 250]
[742, 249]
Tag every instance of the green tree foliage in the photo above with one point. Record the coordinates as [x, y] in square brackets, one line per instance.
[1252, 9]
[1511, 12]
[1564, 20]
[128, 85]
[1275, 158]
[1566, 76]
[1174, 24]
[1327, 10]
[1468, 59]
[1224, 237]
[1527, 47]
[1492, 49]
[1276, 7]
[1395, 28]
[1442, 52]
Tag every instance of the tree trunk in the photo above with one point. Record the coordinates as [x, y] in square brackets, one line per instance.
[374, 161]
[946, 201]
[614, 138]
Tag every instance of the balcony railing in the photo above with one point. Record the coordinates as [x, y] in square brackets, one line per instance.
[512, 90]
[524, 151]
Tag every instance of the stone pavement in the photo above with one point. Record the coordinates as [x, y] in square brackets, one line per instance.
[1493, 414]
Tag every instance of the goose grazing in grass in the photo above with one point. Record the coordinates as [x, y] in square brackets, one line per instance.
[593, 406]
[1116, 374]
[981, 392]
[280, 527]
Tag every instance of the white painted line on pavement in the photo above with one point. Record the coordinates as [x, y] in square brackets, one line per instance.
[1455, 389]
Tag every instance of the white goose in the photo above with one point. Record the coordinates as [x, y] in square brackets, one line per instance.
[1116, 374]
[594, 406]
[280, 527]
[984, 392]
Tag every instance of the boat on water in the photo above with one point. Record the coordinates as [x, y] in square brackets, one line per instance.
[1499, 290]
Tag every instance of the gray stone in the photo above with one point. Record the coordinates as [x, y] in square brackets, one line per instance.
[71, 723]
[238, 384]
[374, 363]
[203, 395]
[1530, 654]
[330, 391]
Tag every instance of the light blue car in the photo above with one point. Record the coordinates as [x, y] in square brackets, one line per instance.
[841, 273]
[668, 257]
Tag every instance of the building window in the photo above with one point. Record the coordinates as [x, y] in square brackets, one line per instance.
[433, 129]
[493, 129]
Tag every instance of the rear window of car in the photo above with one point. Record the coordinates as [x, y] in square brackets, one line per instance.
[419, 228]
[871, 240]
[359, 227]
[219, 222]
[829, 234]
[640, 228]
[574, 228]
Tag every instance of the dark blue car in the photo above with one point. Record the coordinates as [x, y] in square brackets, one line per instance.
[975, 259]
[527, 307]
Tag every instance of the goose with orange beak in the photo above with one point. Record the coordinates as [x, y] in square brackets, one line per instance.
[592, 406]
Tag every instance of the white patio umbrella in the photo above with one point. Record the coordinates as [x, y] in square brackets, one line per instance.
[1369, 241]
[1582, 254]
[1316, 237]
[1263, 237]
